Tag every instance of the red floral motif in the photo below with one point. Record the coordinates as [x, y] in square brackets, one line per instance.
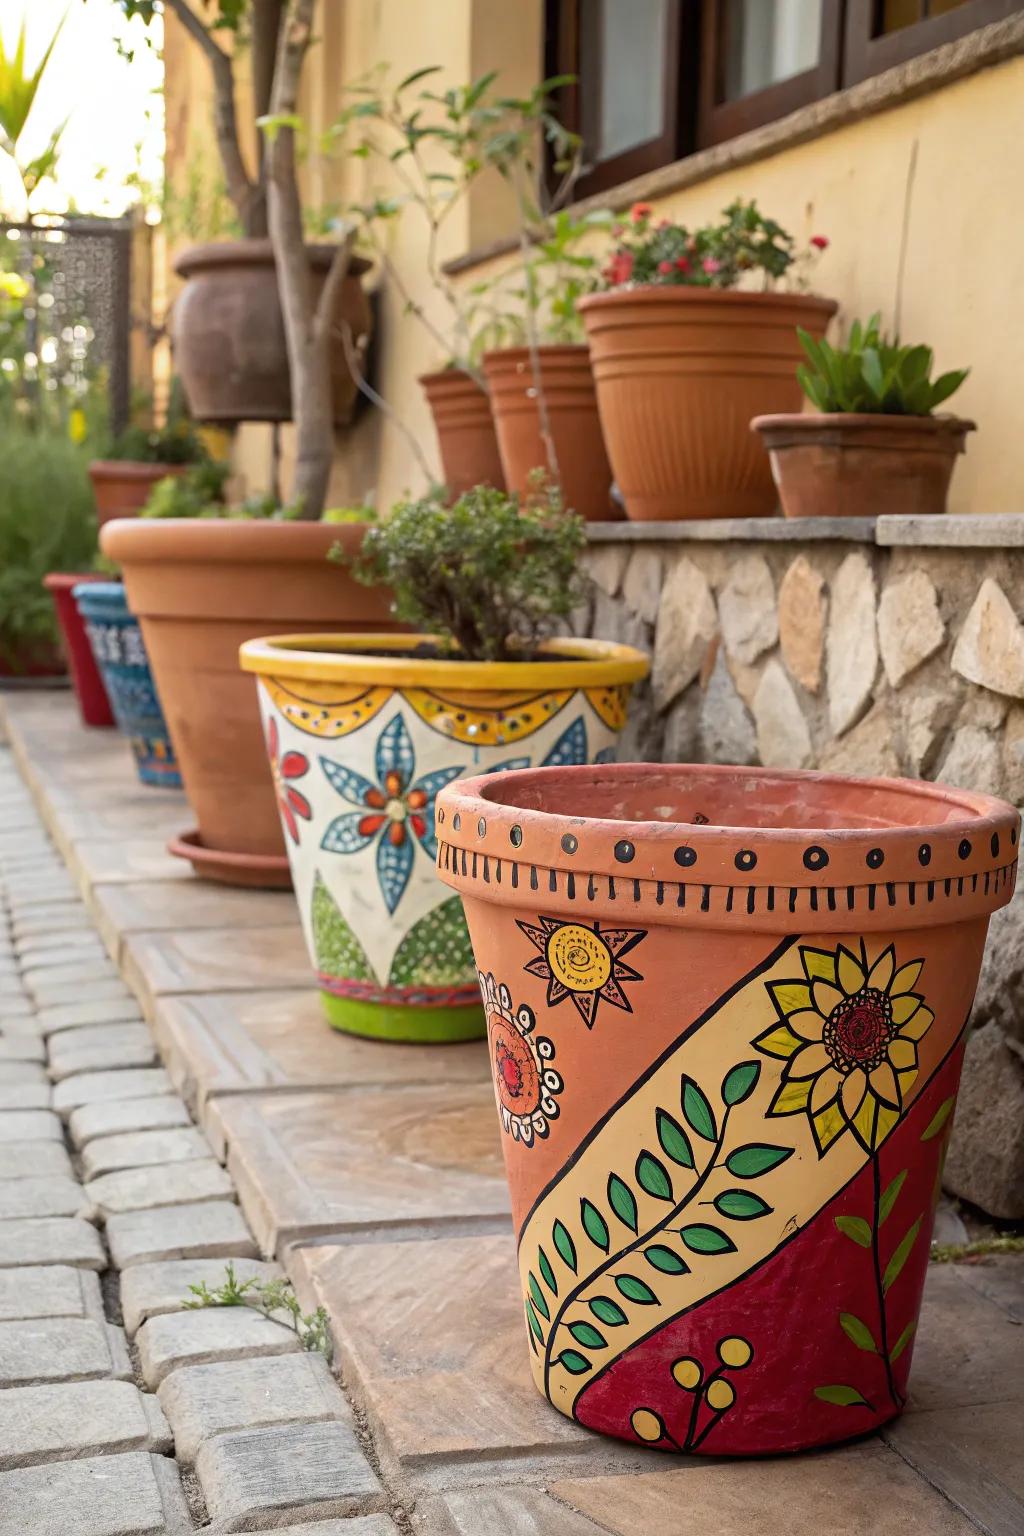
[291, 766]
[390, 803]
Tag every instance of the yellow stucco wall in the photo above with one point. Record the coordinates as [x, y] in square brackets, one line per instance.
[964, 271]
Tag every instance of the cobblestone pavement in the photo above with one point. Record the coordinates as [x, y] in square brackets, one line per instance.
[183, 1105]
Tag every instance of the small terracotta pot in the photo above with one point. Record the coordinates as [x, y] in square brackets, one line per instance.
[831, 465]
[726, 1013]
[122, 487]
[362, 743]
[228, 331]
[200, 588]
[120, 654]
[679, 373]
[90, 691]
[583, 473]
[466, 437]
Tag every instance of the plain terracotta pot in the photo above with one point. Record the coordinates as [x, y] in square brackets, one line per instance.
[121, 487]
[366, 733]
[200, 588]
[228, 331]
[726, 1013]
[466, 438]
[583, 471]
[831, 465]
[679, 374]
[86, 679]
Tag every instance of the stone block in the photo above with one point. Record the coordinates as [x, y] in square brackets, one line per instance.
[687, 625]
[36, 1158]
[870, 749]
[990, 646]
[75, 1419]
[108, 1087]
[208, 1230]
[927, 717]
[23, 1047]
[802, 609]
[144, 1149]
[24, 1096]
[727, 733]
[207, 1334]
[50, 1240]
[747, 610]
[49, 1291]
[985, 1163]
[257, 1479]
[152, 1290]
[111, 1046]
[60, 1349]
[29, 1125]
[46, 1195]
[606, 567]
[519, 1511]
[126, 1116]
[641, 585]
[910, 627]
[133, 1494]
[50, 994]
[15, 1073]
[138, 1189]
[851, 650]
[86, 1015]
[205, 1400]
[783, 737]
[973, 761]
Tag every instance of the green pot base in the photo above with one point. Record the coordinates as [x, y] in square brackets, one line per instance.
[390, 1021]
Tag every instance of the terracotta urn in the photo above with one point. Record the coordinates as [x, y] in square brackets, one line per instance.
[679, 373]
[121, 487]
[726, 1012]
[363, 735]
[466, 438]
[90, 690]
[834, 465]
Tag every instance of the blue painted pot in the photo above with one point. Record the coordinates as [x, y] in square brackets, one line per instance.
[116, 641]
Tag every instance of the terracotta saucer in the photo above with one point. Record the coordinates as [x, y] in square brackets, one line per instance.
[268, 872]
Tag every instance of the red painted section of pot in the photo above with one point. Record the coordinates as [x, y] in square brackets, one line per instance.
[466, 437]
[679, 374]
[122, 487]
[93, 703]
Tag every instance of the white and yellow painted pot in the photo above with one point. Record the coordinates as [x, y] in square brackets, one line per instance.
[362, 735]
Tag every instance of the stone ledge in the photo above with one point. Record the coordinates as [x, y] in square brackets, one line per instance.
[996, 530]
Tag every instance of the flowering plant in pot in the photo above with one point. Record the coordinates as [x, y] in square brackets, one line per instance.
[365, 730]
[726, 1015]
[685, 346]
[873, 441]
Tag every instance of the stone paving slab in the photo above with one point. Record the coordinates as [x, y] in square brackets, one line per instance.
[88, 1418]
[73, 973]
[974, 1458]
[49, 1291]
[144, 1149]
[21, 1048]
[210, 1333]
[124, 1010]
[101, 1048]
[107, 1087]
[135, 1494]
[125, 1116]
[255, 1479]
[15, 1073]
[205, 1400]
[152, 1290]
[308, 1164]
[969, 1349]
[138, 906]
[61, 1349]
[208, 1230]
[18, 1158]
[215, 960]
[47, 1195]
[51, 1240]
[102, 861]
[139, 1189]
[29, 1125]
[104, 990]
[25, 1096]
[362, 1525]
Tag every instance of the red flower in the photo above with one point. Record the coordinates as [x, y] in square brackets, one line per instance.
[620, 268]
[711, 265]
[820, 242]
[291, 766]
[640, 211]
[682, 264]
[665, 267]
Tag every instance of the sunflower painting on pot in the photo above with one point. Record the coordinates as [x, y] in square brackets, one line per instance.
[364, 731]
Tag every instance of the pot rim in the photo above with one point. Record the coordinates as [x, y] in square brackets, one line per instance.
[450, 376]
[135, 469]
[574, 350]
[214, 254]
[224, 540]
[681, 293]
[828, 878]
[66, 581]
[102, 591]
[341, 658]
[810, 422]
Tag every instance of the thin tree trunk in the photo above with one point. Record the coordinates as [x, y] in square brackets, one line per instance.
[267, 16]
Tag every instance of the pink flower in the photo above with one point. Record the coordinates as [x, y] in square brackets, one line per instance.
[710, 265]
[820, 242]
[640, 211]
[620, 268]
[665, 267]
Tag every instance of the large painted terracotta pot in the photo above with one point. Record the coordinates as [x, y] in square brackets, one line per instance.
[363, 734]
[726, 1012]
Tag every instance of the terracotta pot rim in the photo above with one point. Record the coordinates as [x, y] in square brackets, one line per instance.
[851, 422]
[726, 298]
[135, 469]
[216, 254]
[571, 350]
[340, 658]
[450, 376]
[223, 541]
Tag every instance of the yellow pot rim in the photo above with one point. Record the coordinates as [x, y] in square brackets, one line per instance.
[342, 658]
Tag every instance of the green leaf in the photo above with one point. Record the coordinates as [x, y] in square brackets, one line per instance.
[902, 1342]
[740, 1082]
[697, 1111]
[575, 1363]
[901, 1255]
[700, 1238]
[538, 1297]
[587, 1335]
[544, 1264]
[859, 1332]
[890, 1195]
[845, 1397]
[417, 74]
[938, 1120]
[594, 1225]
[535, 1327]
[871, 370]
[664, 1259]
[855, 1227]
[622, 1201]
[608, 1311]
[947, 384]
[565, 1245]
[652, 1175]
[635, 1290]
[674, 1140]
[741, 1204]
[755, 1158]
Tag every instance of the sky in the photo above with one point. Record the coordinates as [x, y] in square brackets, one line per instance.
[112, 105]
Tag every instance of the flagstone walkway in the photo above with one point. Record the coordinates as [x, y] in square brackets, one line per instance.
[170, 1099]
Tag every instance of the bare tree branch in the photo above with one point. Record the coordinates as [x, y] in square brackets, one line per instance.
[366, 388]
[240, 187]
[337, 272]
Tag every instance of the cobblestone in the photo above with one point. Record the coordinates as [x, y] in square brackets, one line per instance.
[298, 1471]
[101, 1048]
[107, 1087]
[99, 1120]
[50, 1240]
[138, 1189]
[86, 1015]
[203, 1231]
[144, 1149]
[49, 1195]
[60, 1349]
[87, 1418]
[52, 1290]
[29, 1125]
[213, 1333]
[152, 1290]
[135, 1494]
[204, 1400]
[24, 1096]
[17, 1158]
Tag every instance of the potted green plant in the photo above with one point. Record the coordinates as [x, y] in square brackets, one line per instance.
[873, 443]
[685, 349]
[137, 459]
[364, 730]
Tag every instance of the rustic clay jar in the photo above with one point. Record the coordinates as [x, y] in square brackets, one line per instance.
[121, 487]
[466, 438]
[90, 689]
[363, 735]
[834, 465]
[679, 373]
[200, 587]
[584, 473]
[726, 1014]
[228, 331]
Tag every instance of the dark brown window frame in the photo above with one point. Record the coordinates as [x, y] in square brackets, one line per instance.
[720, 120]
[865, 55]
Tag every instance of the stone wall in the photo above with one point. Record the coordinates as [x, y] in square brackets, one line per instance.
[869, 646]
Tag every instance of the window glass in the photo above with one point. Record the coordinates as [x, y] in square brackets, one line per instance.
[765, 41]
[622, 74]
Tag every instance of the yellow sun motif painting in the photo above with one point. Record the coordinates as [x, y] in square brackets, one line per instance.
[847, 1030]
[583, 963]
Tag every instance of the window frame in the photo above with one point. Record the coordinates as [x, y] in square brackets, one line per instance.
[865, 55]
[722, 120]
